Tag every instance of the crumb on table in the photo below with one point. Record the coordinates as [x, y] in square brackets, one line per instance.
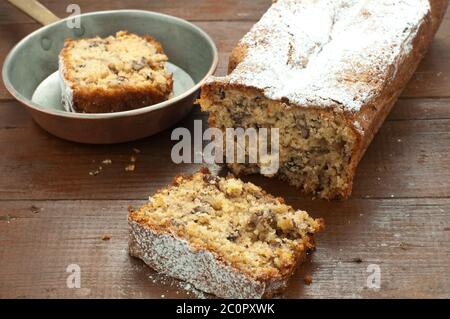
[307, 280]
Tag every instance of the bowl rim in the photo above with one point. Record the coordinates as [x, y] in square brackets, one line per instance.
[95, 116]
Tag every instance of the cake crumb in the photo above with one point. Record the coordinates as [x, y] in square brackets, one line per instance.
[106, 237]
[307, 280]
[130, 168]
[357, 260]
[107, 161]
[133, 159]
[94, 173]
[233, 187]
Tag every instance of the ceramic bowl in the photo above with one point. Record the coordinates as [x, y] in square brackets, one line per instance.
[33, 60]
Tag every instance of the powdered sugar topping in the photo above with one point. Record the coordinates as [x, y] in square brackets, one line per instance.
[328, 53]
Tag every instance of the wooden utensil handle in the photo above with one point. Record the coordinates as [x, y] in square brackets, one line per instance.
[35, 10]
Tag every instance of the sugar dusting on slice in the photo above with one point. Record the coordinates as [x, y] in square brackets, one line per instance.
[329, 53]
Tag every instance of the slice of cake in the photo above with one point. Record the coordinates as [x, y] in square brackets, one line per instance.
[223, 236]
[326, 74]
[113, 74]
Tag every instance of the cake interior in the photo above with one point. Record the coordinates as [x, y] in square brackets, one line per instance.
[248, 229]
[120, 61]
[316, 147]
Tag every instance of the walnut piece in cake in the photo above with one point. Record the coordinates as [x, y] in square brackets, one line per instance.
[224, 236]
[117, 73]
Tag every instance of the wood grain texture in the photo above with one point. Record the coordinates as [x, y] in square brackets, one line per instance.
[35, 10]
[54, 213]
[359, 233]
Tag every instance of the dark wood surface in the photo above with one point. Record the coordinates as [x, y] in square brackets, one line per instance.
[54, 213]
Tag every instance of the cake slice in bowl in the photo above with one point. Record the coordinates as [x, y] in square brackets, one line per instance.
[113, 74]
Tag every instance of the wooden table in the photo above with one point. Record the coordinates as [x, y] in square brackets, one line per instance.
[53, 213]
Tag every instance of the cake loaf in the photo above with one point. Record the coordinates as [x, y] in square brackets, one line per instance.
[326, 73]
[223, 236]
[117, 73]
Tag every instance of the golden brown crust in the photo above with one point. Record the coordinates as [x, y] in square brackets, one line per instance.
[106, 101]
[372, 116]
[237, 56]
[438, 10]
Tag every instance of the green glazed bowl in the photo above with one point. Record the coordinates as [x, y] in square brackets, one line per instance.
[35, 58]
